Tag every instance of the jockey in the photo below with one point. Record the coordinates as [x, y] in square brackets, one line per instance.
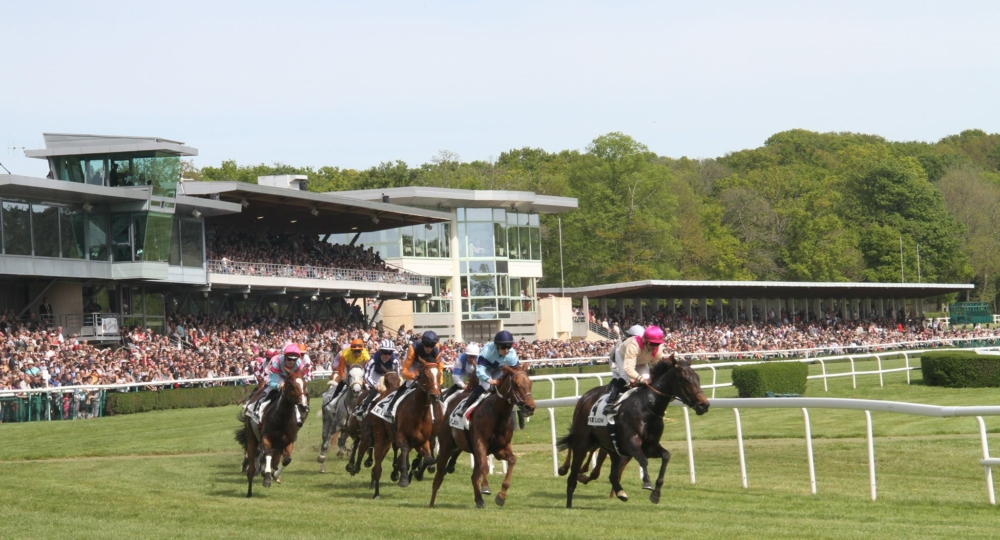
[493, 357]
[465, 365]
[348, 358]
[426, 351]
[632, 358]
[636, 330]
[280, 367]
[377, 367]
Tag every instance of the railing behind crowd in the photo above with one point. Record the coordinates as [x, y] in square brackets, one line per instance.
[313, 272]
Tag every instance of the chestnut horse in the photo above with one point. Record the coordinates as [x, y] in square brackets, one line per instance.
[638, 425]
[414, 427]
[491, 427]
[361, 429]
[279, 429]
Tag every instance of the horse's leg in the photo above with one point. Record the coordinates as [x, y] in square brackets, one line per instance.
[381, 449]
[252, 463]
[507, 453]
[654, 496]
[632, 446]
[286, 458]
[596, 473]
[424, 455]
[446, 443]
[266, 449]
[354, 458]
[617, 464]
[402, 460]
[564, 468]
[480, 468]
[579, 450]
[325, 446]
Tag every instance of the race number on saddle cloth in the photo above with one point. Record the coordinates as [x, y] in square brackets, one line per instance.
[597, 417]
[419, 354]
[489, 366]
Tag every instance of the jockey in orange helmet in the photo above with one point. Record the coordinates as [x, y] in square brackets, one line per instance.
[357, 354]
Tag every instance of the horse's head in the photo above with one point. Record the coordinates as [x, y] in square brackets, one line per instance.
[515, 387]
[685, 384]
[356, 378]
[391, 381]
[294, 390]
[429, 381]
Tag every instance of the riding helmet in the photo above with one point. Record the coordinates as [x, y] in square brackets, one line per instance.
[387, 346]
[636, 330]
[472, 350]
[292, 350]
[357, 344]
[503, 337]
[429, 339]
[653, 335]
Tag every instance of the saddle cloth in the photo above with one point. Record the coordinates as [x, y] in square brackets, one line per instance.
[458, 420]
[379, 409]
[597, 417]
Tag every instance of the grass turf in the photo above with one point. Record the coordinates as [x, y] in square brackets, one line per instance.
[175, 474]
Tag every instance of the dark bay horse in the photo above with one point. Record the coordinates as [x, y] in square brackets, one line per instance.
[416, 417]
[337, 412]
[638, 425]
[491, 428]
[279, 429]
[361, 430]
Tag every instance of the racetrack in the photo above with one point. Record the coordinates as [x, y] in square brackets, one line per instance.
[176, 474]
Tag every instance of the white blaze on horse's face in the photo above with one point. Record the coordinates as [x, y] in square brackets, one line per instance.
[357, 378]
[434, 373]
[303, 398]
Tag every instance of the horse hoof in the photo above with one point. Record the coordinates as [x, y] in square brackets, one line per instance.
[418, 475]
[486, 490]
[431, 468]
[563, 470]
[376, 497]
[622, 496]
[647, 485]
[500, 501]
[451, 469]
[322, 469]
[267, 480]
[369, 462]
[340, 455]
[321, 458]
[277, 479]
[480, 504]
[403, 482]
[394, 476]
[583, 479]
[654, 497]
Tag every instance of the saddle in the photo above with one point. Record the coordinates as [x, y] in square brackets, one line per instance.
[461, 421]
[597, 417]
[380, 408]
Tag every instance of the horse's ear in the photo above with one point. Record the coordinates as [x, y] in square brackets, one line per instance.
[672, 359]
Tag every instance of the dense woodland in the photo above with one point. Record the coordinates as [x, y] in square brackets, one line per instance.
[804, 206]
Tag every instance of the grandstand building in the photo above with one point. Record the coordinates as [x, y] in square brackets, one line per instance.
[113, 238]
[484, 263]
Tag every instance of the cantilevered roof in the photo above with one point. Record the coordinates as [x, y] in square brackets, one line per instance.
[68, 144]
[758, 289]
[267, 206]
[436, 197]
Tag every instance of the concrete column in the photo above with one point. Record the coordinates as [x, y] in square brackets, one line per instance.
[637, 307]
[687, 308]
[456, 280]
[763, 309]
[845, 310]
[719, 310]
[653, 305]
[621, 307]
[602, 306]
[704, 308]
[585, 305]
[672, 305]
[734, 308]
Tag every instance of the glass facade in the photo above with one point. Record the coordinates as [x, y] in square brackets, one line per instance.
[160, 170]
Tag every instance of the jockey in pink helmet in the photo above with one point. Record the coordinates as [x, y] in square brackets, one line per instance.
[632, 359]
[278, 369]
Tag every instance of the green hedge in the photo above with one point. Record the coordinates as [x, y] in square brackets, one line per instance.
[960, 369]
[174, 398]
[779, 377]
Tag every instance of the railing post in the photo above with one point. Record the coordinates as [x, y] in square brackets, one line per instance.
[809, 452]
[906, 357]
[854, 374]
[826, 386]
[881, 381]
[871, 453]
[986, 455]
[687, 432]
[739, 440]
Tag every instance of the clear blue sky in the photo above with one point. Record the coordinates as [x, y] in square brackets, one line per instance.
[354, 84]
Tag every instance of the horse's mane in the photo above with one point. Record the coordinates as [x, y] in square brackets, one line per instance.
[660, 368]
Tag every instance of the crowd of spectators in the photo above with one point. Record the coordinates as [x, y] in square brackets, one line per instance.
[213, 347]
[289, 255]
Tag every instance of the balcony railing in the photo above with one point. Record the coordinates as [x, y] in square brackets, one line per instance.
[238, 268]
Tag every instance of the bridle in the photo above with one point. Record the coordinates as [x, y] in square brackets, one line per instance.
[512, 396]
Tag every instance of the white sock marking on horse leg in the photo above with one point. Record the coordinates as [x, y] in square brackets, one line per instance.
[267, 464]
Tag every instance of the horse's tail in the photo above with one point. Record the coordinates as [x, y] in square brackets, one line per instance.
[241, 416]
[241, 437]
[564, 442]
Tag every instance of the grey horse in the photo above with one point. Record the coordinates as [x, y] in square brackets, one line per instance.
[336, 413]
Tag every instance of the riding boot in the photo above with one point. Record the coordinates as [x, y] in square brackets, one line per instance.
[395, 397]
[340, 388]
[616, 391]
[476, 392]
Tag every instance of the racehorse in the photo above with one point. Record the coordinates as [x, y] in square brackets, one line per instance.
[416, 416]
[491, 427]
[360, 429]
[638, 425]
[278, 431]
[337, 412]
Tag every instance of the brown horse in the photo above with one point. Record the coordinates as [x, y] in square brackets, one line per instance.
[416, 416]
[637, 428]
[361, 430]
[491, 427]
[279, 429]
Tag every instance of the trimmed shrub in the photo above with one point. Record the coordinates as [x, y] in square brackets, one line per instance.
[316, 388]
[779, 377]
[174, 398]
[598, 368]
[960, 369]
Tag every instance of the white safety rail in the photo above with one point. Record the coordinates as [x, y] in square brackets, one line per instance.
[249, 379]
